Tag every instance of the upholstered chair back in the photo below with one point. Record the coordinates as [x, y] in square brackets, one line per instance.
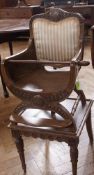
[56, 40]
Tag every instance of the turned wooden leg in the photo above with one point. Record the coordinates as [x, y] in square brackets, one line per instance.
[6, 94]
[74, 156]
[89, 128]
[20, 147]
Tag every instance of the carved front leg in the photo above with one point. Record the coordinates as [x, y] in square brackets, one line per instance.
[74, 156]
[20, 147]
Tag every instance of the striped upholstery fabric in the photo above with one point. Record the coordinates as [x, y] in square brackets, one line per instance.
[58, 41]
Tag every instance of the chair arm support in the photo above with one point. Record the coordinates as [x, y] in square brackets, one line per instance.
[65, 63]
[26, 54]
[81, 63]
[25, 57]
[78, 56]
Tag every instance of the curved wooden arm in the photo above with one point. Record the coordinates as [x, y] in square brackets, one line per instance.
[25, 57]
[58, 96]
[81, 63]
[26, 54]
[64, 63]
[78, 55]
[28, 95]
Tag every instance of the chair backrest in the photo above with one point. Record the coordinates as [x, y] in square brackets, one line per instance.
[57, 35]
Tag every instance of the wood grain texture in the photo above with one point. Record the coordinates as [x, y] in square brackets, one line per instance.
[44, 157]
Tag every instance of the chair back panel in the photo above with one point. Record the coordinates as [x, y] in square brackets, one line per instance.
[56, 41]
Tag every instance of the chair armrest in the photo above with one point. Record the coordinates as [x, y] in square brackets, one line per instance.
[78, 60]
[81, 63]
[29, 56]
[26, 54]
[65, 63]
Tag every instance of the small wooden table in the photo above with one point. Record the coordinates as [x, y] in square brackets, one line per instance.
[10, 29]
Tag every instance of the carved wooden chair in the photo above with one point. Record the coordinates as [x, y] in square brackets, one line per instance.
[43, 77]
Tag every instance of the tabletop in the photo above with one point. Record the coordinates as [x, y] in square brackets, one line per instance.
[13, 25]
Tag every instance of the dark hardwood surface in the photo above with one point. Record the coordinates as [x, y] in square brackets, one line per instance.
[14, 22]
[12, 25]
[12, 28]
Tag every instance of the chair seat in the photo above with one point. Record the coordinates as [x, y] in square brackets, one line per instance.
[41, 121]
[43, 80]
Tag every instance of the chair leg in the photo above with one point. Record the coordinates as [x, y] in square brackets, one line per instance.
[74, 156]
[10, 47]
[6, 94]
[20, 147]
[89, 128]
